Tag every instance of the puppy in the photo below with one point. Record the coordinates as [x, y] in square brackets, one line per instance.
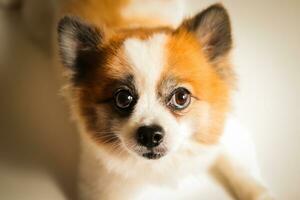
[151, 99]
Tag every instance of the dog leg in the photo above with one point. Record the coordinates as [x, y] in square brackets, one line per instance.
[238, 181]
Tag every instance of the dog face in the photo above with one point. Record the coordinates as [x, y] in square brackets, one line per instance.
[149, 92]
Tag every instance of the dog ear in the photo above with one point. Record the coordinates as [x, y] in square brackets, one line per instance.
[79, 42]
[212, 29]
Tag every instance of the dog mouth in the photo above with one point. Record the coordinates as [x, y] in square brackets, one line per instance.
[152, 155]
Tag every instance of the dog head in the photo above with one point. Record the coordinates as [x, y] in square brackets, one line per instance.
[147, 92]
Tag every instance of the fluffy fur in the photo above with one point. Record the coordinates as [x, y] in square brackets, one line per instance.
[109, 47]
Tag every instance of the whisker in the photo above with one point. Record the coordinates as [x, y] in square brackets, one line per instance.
[107, 138]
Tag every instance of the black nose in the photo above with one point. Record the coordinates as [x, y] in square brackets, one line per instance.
[150, 136]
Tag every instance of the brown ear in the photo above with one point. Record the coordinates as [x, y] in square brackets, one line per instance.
[78, 42]
[212, 29]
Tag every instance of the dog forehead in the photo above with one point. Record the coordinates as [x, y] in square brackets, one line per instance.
[147, 57]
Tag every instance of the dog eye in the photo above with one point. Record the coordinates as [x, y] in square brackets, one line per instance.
[123, 99]
[180, 99]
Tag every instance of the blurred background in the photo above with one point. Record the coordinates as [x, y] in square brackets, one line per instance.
[38, 142]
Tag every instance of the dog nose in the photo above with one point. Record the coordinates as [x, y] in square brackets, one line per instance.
[150, 136]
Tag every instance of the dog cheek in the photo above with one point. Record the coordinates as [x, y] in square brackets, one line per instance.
[175, 134]
[196, 121]
[202, 116]
[126, 127]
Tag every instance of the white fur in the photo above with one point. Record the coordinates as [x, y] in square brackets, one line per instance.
[147, 59]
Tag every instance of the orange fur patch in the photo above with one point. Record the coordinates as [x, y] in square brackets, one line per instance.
[188, 64]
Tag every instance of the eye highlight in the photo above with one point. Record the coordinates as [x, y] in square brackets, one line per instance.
[180, 99]
[123, 99]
